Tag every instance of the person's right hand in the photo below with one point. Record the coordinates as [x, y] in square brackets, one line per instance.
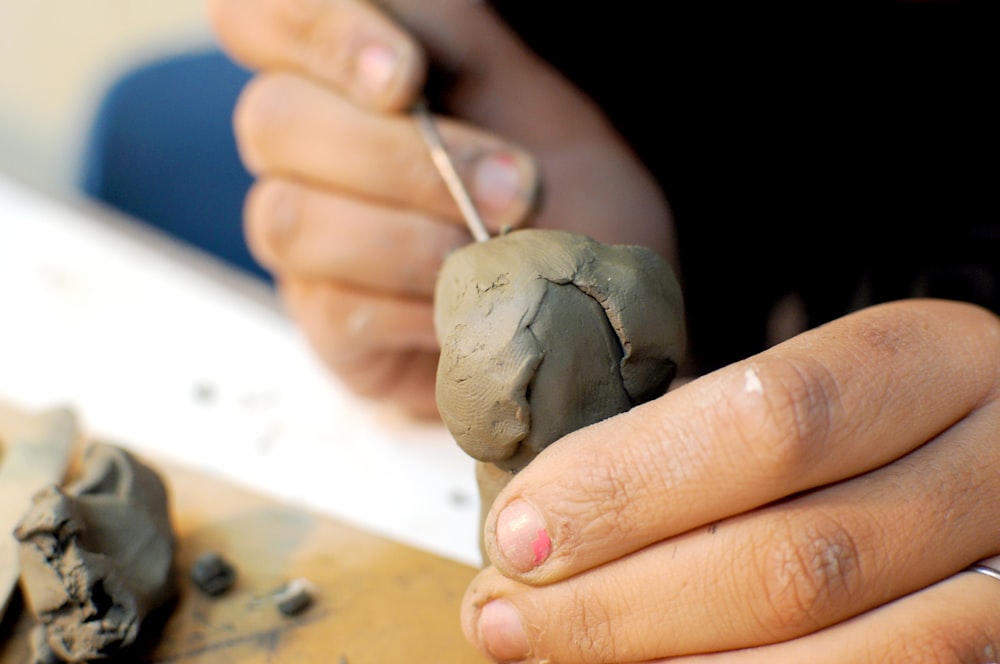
[816, 502]
[349, 213]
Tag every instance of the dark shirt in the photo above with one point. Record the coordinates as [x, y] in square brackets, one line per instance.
[846, 154]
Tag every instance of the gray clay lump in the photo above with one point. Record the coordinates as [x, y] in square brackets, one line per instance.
[97, 556]
[544, 332]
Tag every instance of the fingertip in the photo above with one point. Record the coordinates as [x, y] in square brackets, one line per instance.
[505, 186]
[365, 54]
[387, 77]
[353, 47]
[494, 626]
[469, 615]
[519, 539]
[262, 109]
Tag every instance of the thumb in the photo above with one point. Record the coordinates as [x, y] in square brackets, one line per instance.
[487, 68]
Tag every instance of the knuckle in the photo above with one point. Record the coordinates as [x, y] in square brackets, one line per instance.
[950, 644]
[784, 413]
[271, 212]
[325, 45]
[809, 574]
[347, 324]
[263, 110]
[591, 629]
[325, 314]
[989, 328]
[615, 493]
[299, 18]
[418, 177]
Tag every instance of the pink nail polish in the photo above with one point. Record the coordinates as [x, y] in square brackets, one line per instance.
[501, 631]
[522, 537]
[497, 181]
[376, 67]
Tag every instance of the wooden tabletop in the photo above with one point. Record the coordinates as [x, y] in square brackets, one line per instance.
[376, 602]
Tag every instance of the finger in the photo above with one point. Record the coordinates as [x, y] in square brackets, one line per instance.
[952, 621]
[348, 44]
[381, 346]
[770, 575]
[292, 126]
[830, 404]
[499, 83]
[317, 234]
[495, 79]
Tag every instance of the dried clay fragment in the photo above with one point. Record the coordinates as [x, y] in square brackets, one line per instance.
[545, 332]
[295, 596]
[212, 574]
[97, 556]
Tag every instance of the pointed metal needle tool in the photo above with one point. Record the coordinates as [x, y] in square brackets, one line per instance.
[442, 160]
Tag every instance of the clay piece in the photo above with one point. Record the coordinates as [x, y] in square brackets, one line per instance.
[212, 574]
[543, 332]
[41, 652]
[35, 451]
[295, 596]
[97, 556]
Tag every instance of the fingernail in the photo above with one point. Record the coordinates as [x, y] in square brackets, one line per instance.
[496, 181]
[522, 537]
[501, 631]
[376, 67]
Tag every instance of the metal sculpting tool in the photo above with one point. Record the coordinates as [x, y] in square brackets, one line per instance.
[442, 160]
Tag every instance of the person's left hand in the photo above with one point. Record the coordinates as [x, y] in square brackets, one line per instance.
[348, 212]
[814, 503]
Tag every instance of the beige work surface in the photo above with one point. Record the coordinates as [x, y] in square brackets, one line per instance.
[378, 602]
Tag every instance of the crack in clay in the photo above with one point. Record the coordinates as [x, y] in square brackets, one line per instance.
[623, 341]
[501, 281]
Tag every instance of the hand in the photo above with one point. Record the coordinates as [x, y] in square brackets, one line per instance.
[349, 212]
[814, 503]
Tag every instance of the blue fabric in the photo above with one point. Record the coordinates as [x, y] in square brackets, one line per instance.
[162, 150]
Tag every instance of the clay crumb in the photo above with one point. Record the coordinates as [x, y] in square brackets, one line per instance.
[213, 574]
[41, 651]
[295, 596]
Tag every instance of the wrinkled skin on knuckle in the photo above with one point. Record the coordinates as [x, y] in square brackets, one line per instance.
[784, 423]
[591, 630]
[606, 510]
[807, 575]
[948, 644]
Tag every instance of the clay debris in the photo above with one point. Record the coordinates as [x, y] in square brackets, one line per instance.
[97, 556]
